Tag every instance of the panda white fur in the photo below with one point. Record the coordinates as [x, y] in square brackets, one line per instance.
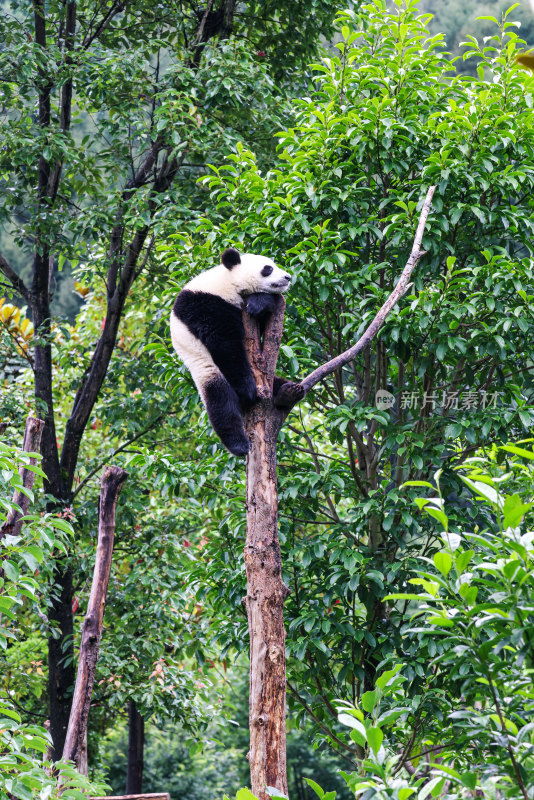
[207, 333]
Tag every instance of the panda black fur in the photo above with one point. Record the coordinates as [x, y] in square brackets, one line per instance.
[207, 333]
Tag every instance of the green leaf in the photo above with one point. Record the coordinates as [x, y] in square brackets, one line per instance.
[518, 451]
[11, 570]
[430, 787]
[469, 593]
[245, 794]
[443, 562]
[482, 489]
[437, 514]
[375, 738]
[8, 712]
[368, 701]
[315, 786]
[462, 559]
[386, 676]
[61, 525]
[469, 779]
[35, 551]
[441, 621]
[357, 726]
[514, 510]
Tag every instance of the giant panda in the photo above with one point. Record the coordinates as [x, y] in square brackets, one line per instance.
[207, 333]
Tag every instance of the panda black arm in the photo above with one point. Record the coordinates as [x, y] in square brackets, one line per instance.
[260, 304]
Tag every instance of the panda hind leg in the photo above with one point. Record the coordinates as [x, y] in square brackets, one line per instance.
[224, 412]
[286, 393]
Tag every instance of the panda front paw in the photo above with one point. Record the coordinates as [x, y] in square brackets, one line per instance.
[288, 395]
[260, 304]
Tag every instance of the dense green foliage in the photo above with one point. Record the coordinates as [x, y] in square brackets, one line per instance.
[339, 210]
[474, 610]
[25, 768]
[404, 642]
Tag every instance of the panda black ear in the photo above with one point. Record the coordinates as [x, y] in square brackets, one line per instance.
[230, 258]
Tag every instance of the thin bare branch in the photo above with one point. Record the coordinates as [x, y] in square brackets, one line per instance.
[115, 9]
[339, 361]
[119, 449]
[200, 32]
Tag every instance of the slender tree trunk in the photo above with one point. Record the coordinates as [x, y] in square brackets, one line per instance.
[60, 647]
[266, 591]
[112, 481]
[61, 672]
[136, 743]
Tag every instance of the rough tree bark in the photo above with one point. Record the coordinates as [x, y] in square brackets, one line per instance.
[112, 481]
[31, 444]
[136, 744]
[266, 591]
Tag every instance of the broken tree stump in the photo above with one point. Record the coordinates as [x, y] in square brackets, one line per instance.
[112, 481]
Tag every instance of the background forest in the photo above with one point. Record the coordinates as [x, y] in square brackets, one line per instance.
[139, 139]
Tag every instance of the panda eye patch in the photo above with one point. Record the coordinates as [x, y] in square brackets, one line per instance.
[267, 270]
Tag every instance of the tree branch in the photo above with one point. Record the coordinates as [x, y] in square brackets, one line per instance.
[200, 32]
[66, 97]
[119, 449]
[17, 283]
[122, 271]
[115, 9]
[121, 276]
[325, 728]
[339, 361]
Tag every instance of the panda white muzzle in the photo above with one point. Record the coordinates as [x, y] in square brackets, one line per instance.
[282, 284]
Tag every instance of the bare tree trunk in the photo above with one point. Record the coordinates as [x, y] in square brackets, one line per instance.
[266, 591]
[112, 481]
[31, 444]
[136, 743]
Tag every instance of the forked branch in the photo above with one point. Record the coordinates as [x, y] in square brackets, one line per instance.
[343, 358]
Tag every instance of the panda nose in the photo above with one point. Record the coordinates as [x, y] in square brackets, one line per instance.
[287, 277]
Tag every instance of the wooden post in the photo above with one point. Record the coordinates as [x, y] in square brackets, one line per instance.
[31, 444]
[266, 591]
[112, 481]
[136, 743]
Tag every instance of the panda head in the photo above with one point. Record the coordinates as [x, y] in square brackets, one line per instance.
[251, 273]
